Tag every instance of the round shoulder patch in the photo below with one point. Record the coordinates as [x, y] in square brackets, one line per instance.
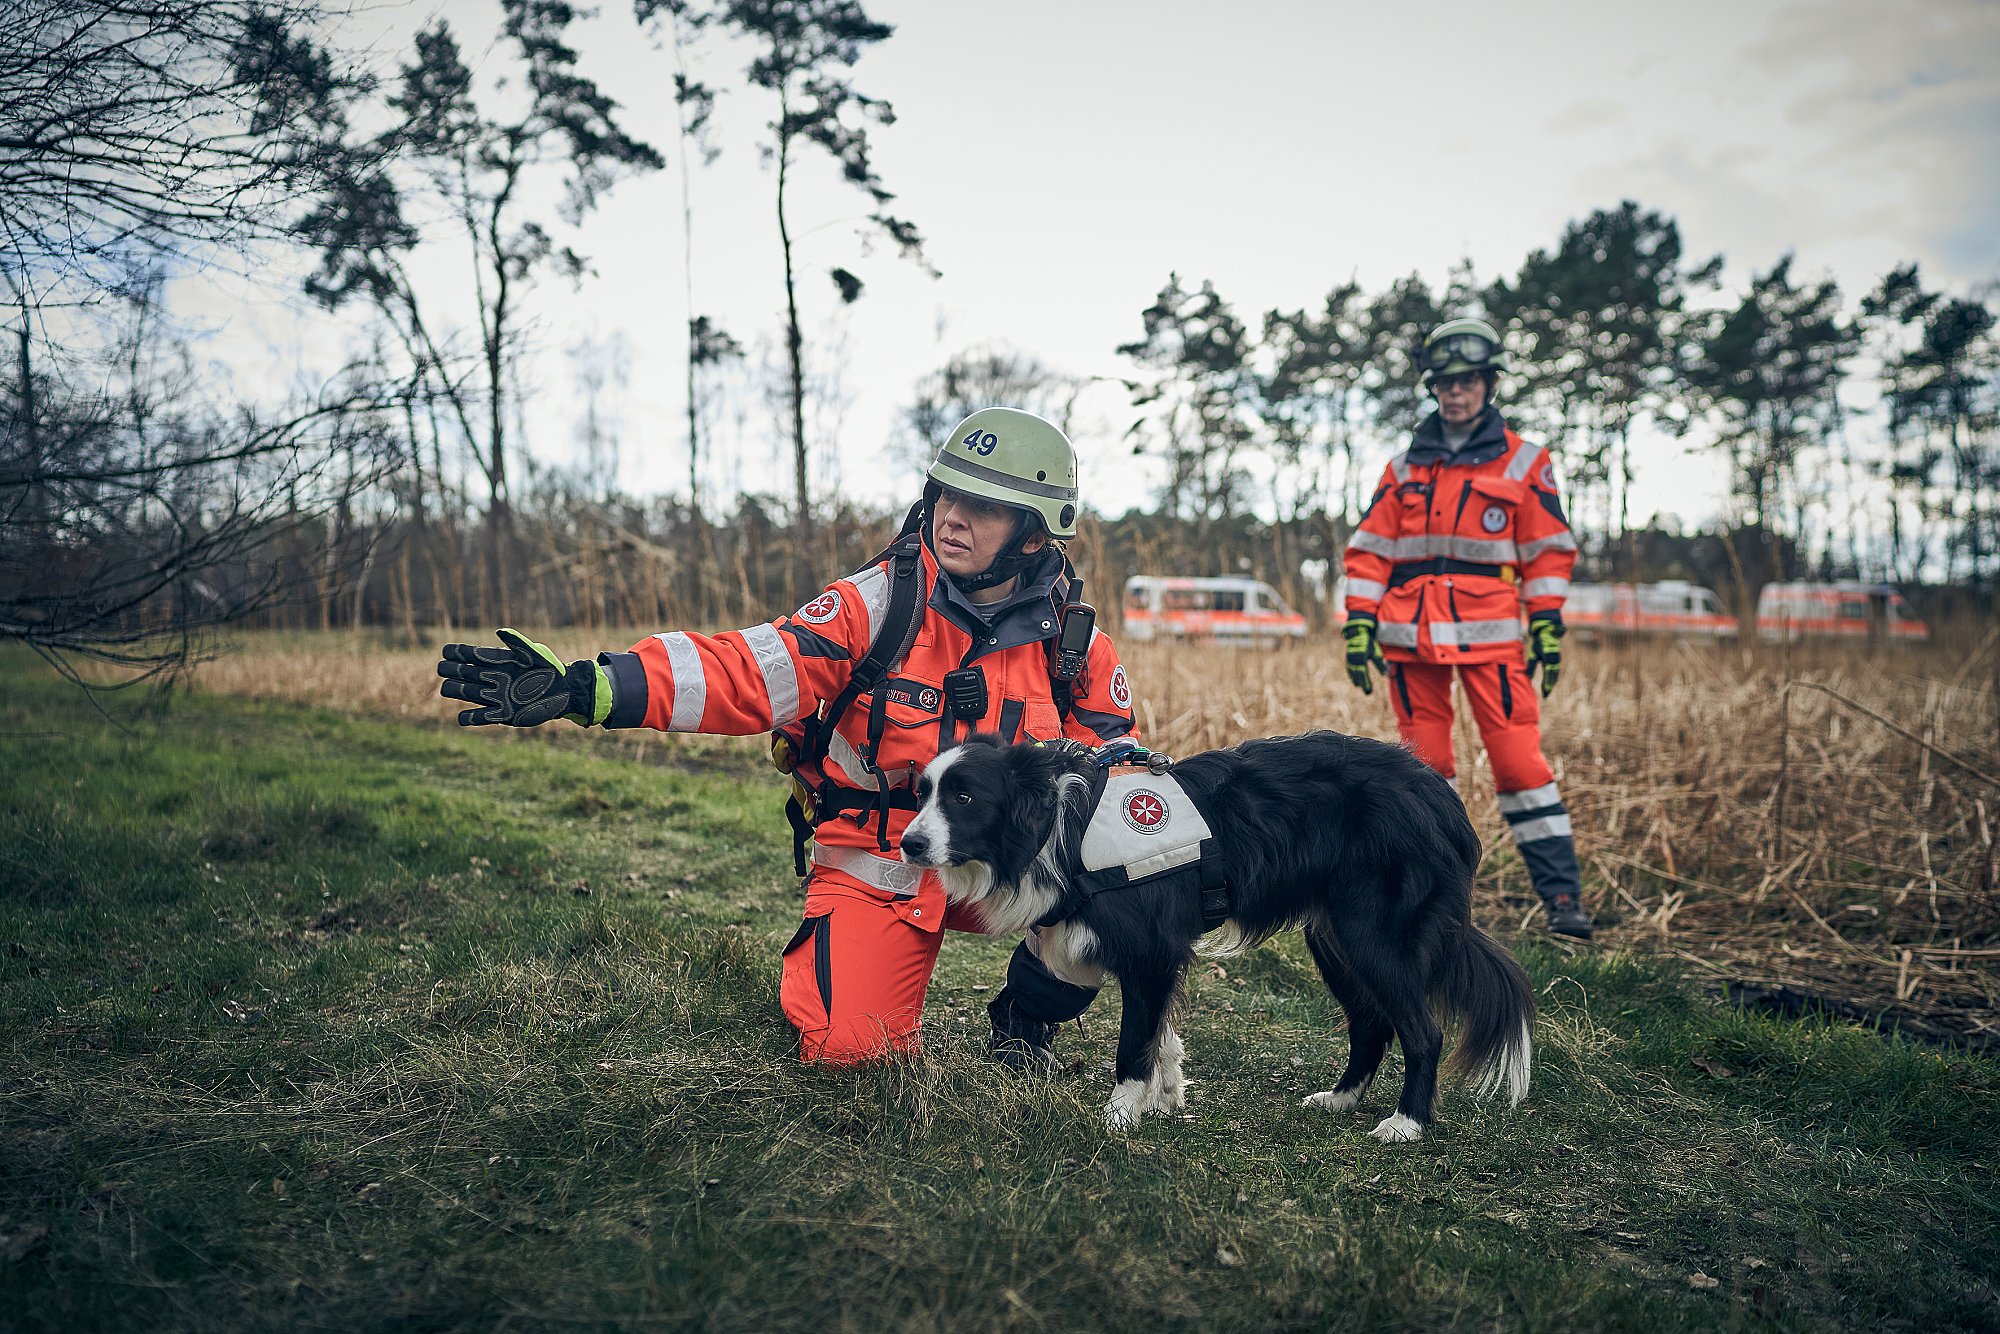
[1121, 689]
[1548, 474]
[1144, 810]
[822, 608]
[1494, 520]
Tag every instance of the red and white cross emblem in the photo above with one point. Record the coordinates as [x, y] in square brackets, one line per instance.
[1145, 811]
[822, 608]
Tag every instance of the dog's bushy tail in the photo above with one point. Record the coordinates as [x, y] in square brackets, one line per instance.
[1482, 986]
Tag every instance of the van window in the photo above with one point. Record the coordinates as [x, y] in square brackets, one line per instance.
[1138, 599]
[1228, 599]
[1184, 599]
[1853, 609]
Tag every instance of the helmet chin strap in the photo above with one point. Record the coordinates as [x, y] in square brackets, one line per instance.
[1010, 562]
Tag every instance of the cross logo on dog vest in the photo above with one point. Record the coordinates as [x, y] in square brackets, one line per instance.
[1145, 811]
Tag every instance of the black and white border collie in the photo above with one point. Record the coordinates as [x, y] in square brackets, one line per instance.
[1352, 839]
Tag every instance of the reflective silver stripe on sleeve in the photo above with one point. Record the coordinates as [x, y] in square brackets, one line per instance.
[1374, 544]
[690, 682]
[1523, 463]
[1532, 799]
[781, 678]
[1399, 468]
[873, 586]
[1555, 586]
[1534, 831]
[1473, 632]
[1553, 542]
[1397, 634]
[1366, 588]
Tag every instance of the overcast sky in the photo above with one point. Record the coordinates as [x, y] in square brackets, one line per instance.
[1062, 159]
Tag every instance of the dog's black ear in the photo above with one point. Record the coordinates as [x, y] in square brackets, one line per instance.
[1031, 775]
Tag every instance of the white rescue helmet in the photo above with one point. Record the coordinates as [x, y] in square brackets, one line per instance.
[1016, 458]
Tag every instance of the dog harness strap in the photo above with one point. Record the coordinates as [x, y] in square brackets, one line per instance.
[1217, 902]
[1075, 891]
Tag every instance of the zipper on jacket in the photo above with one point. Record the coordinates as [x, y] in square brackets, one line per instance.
[1464, 495]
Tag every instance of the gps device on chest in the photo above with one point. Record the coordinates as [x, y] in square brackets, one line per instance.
[1079, 621]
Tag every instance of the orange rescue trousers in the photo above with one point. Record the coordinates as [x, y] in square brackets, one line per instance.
[856, 971]
[1508, 711]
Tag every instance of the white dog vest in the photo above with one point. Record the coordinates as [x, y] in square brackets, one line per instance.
[1146, 828]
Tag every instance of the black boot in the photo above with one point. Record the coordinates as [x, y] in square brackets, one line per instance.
[1018, 1042]
[1029, 1010]
[1567, 917]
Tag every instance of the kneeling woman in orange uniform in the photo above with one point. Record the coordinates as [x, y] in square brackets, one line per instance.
[972, 619]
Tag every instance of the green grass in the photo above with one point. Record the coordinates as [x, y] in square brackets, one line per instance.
[307, 1022]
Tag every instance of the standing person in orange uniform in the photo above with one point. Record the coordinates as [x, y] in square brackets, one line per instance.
[972, 620]
[1464, 527]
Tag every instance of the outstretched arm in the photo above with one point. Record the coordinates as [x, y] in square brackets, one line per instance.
[737, 683]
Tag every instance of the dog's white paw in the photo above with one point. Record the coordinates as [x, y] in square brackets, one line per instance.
[1398, 1129]
[1336, 1100]
[1130, 1100]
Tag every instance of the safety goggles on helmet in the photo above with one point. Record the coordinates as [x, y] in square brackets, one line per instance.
[1469, 349]
[1457, 380]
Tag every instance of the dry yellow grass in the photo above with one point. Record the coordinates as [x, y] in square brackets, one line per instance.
[1729, 810]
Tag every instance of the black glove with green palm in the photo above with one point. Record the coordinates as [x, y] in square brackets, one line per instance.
[1362, 649]
[1545, 632]
[523, 684]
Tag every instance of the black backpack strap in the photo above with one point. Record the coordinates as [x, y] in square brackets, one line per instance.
[891, 643]
[1061, 690]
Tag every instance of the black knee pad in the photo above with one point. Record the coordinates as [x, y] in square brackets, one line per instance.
[1038, 995]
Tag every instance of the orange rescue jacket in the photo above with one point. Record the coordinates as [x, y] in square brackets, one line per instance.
[1454, 542]
[769, 677]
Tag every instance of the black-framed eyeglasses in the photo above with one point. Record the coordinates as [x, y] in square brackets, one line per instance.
[1470, 348]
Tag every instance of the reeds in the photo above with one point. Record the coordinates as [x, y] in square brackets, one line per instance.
[1817, 819]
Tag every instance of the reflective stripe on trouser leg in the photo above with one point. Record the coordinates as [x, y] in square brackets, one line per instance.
[1529, 799]
[1037, 994]
[1539, 822]
[1420, 697]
